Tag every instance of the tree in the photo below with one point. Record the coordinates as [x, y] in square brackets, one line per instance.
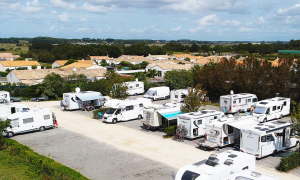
[178, 79]
[296, 123]
[141, 76]
[151, 73]
[17, 92]
[70, 61]
[119, 91]
[7, 70]
[194, 48]
[4, 124]
[53, 85]
[187, 59]
[33, 67]
[194, 100]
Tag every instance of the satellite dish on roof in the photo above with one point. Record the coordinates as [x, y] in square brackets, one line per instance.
[77, 90]
[231, 92]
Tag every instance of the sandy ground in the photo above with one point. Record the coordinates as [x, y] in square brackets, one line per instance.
[166, 151]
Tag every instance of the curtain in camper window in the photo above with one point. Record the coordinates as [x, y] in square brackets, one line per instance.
[27, 120]
[46, 117]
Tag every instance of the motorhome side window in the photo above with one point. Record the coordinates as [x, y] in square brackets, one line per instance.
[249, 100]
[141, 105]
[278, 107]
[27, 120]
[148, 115]
[128, 108]
[130, 87]
[176, 96]
[240, 100]
[263, 139]
[254, 100]
[199, 122]
[284, 103]
[183, 96]
[269, 138]
[274, 108]
[268, 111]
[137, 85]
[230, 129]
[46, 117]
[234, 102]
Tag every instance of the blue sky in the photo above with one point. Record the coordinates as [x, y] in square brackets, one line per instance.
[212, 20]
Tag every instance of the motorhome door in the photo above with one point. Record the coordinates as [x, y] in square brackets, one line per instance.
[119, 112]
[286, 137]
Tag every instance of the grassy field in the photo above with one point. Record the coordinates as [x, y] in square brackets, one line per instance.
[13, 48]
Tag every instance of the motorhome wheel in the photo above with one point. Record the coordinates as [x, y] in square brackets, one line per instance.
[10, 134]
[274, 153]
[265, 120]
[114, 121]
[140, 117]
[42, 128]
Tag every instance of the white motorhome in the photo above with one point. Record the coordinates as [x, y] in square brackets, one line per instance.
[135, 87]
[274, 108]
[156, 93]
[11, 108]
[4, 96]
[250, 175]
[178, 95]
[195, 122]
[78, 100]
[234, 103]
[33, 120]
[226, 130]
[161, 116]
[268, 138]
[217, 166]
[125, 110]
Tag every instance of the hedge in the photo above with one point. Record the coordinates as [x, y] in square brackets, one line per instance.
[102, 110]
[171, 130]
[289, 163]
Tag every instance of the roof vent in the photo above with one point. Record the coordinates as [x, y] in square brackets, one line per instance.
[200, 162]
[232, 155]
[255, 174]
[257, 128]
[264, 129]
[260, 124]
[228, 162]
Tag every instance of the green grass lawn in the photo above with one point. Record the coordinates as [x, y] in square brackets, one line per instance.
[12, 48]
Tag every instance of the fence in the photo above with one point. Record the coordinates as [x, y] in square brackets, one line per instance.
[12, 87]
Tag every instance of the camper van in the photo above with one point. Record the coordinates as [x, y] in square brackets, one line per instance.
[8, 109]
[274, 108]
[250, 175]
[33, 120]
[4, 96]
[135, 87]
[226, 130]
[195, 122]
[78, 100]
[234, 103]
[263, 139]
[156, 93]
[217, 166]
[158, 117]
[125, 110]
[178, 95]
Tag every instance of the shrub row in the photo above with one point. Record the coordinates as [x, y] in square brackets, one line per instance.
[41, 167]
[290, 162]
[102, 110]
[171, 130]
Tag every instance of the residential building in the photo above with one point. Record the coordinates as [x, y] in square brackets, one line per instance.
[162, 68]
[59, 63]
[98, 59]
[18, 64]
[9, 56]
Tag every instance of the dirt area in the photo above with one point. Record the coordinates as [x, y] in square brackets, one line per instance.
[99, 150]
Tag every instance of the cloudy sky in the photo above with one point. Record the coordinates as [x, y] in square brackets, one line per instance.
[223, 20]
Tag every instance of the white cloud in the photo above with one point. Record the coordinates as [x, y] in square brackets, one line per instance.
[64, 17]
[82, 20]
[82, 29]
[146, 30]
[208, 20]
[53, 12]
[176, 29]
[208, 30]
[52, 28]
[96, 9]
[261, 20]
[196, 30]
[245, 29]
[63, 4]
[31, 7]
[231, 23]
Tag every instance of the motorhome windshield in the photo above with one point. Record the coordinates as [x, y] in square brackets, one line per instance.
[260, 110]
[151, 93]
[189, 175]
[110, 111]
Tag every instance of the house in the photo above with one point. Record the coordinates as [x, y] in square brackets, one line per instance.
[59, 63]
[9, 56]
[36, 76]
[135, 60]
[162, 68]
[18, 64]
[158, 57]
[80, 64]
[98, 59]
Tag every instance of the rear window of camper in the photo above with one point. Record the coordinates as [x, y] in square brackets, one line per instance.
[27, 120]
[137, 85]
[46, 117]
[199, 122]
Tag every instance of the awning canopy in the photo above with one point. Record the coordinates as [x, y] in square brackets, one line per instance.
[240, 124]
[170, 115]
[89, 96]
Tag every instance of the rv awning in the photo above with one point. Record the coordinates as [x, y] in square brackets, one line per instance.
[240, 124]
[170, 115]
[89, 96]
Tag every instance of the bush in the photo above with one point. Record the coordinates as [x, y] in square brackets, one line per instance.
[288, 163]
[102, 110]
[171, 130]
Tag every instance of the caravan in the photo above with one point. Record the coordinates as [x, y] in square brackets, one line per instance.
[178, 95]
[156, 93]
[194, 122]
[161, 116]
[33, 120]
[268, 138]
[125, 110]
[79, 100]
[135, 87]
[8, 109]
[274, 108]
[4, 96]
[234, 103]
[217, 166]
[226, 130]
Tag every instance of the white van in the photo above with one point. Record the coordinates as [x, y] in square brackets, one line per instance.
[33, 120]
[268, 138]
[4, 96]
[195, 122]
[217, 166]
[11, 108]
[158, 117]
[124, 110]
[234, 103]
[135, 87]
[156, 93]
[274, 108]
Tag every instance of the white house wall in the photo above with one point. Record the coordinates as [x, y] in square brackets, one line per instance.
[2, 68]
[12, 78]
[55, 64]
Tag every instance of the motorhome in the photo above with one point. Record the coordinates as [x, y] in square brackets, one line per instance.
[250, 175]
[263, 139]
[80, 99]
[135, 87]
[270, 109]
[226, 130]
[178, 95]
[33, 120]
[11, 108]
[195, 122]
[158, 117]
[125, 110]
[157, 93]
[4, 96]
[217, 166]
[234, 103]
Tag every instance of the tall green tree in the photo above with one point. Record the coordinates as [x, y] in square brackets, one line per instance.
[119, 91]
[194, 100]
[296, 123]
[178, 79]
[4, 124]
[53, 85]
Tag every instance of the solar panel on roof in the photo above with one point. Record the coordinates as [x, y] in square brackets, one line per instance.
[264, 129]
